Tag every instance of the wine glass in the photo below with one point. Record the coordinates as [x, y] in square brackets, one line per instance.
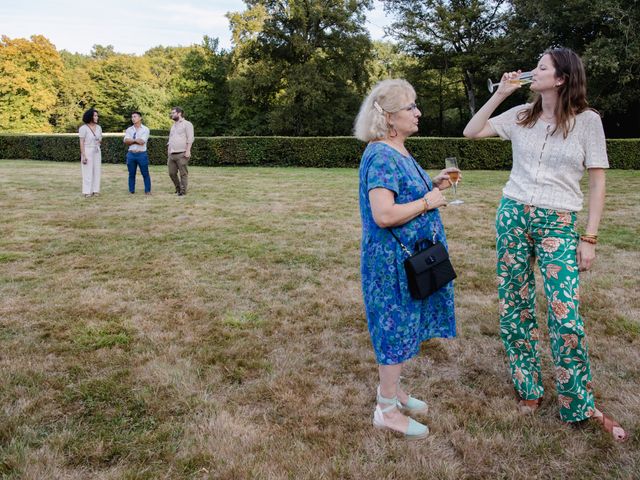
[454, 178]
[525, 78]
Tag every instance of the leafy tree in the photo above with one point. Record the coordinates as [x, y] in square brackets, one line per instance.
[250, 83]
[388, 61]
[76, 94]
[203, 89]
[440, 94]
[166, 64]
[441, 98]
[300, 66]
[606, 33]
[30, 75]
[153, 102]
[125, 83]
[100, 52]
[134, 83]
[452, 33]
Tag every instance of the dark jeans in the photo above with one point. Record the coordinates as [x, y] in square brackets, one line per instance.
[135, 159]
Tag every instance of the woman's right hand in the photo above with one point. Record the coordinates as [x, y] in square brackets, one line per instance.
[435, 199]
[83, 160]
[507, 87]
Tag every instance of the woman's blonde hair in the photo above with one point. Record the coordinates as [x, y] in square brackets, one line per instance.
[388, 96]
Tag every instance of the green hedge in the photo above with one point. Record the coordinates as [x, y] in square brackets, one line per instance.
[488, 154]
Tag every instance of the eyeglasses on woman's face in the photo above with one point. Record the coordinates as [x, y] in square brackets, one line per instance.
[412, 107]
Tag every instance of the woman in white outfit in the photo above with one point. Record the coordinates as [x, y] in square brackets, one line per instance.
[90, 157]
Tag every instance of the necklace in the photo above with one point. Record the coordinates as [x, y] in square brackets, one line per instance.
[547, 119]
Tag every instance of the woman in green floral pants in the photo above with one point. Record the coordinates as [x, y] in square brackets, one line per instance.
[554, 140]
[525, 233]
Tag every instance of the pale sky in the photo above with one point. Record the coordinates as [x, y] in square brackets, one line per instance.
[131, 26]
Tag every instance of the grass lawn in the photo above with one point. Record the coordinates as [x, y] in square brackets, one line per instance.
[222, 335]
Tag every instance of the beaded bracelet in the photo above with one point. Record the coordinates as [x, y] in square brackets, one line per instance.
[592, 239]
[426, 205]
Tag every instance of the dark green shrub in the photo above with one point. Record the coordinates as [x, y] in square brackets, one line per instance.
[624, 153]
[487, 154]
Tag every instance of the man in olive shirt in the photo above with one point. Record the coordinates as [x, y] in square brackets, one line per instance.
[179, 150]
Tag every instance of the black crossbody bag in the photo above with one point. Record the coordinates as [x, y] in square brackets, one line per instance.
[428, 268]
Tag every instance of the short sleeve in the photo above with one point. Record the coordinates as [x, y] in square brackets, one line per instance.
[82, 132]
[189, 129]
[383, 172]
[595, 144]
[145, 134]
[504, 123]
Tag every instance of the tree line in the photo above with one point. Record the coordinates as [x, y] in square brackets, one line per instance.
[302, 67]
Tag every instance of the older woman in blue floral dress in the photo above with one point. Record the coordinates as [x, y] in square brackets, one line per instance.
[396, 193]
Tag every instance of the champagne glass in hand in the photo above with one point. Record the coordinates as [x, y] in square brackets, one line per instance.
[524, 78]
[454, 177]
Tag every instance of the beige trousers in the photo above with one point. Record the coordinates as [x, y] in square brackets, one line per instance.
[91, 171]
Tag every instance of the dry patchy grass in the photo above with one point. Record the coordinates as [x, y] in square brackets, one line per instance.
[222, 335]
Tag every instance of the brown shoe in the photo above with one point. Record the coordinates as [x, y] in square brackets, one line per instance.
[527, 407]
[610, 426]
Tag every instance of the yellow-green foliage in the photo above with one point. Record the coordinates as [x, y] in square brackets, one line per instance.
[30, 74]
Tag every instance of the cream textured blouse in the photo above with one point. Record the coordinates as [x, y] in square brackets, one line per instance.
[547, 168]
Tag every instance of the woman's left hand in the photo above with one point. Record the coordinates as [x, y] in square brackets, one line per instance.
[442, 180]
[586, 254]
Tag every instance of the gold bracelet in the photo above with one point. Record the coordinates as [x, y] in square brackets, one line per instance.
[426, 205]
[589, 239]
[590, 235]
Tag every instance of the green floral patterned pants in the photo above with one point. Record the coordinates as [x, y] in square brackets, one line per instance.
[525, 233]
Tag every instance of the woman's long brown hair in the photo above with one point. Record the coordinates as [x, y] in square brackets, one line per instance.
[572, 94]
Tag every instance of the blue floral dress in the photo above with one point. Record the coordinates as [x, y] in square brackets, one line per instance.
[398, 323]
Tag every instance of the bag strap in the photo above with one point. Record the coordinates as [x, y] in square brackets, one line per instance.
[415, 164]
[406, 250]
[94, 133]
